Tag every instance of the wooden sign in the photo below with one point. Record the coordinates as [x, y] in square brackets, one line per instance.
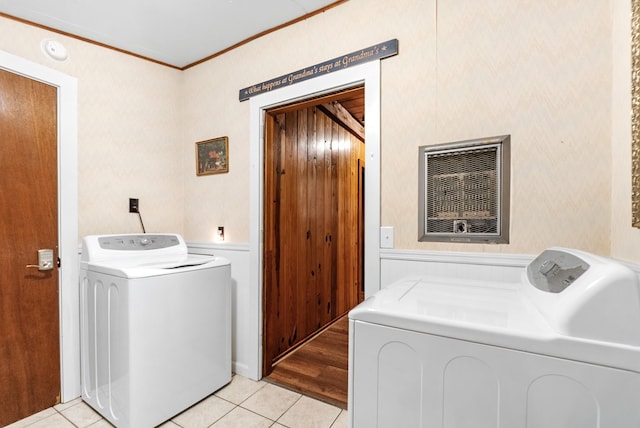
[379, 51]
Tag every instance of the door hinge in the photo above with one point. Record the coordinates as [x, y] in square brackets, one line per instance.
[59, 262]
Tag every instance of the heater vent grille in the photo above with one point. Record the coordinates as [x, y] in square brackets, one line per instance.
[463, 196]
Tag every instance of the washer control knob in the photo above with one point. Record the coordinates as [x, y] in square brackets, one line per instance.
[145, 241]
[549, 268]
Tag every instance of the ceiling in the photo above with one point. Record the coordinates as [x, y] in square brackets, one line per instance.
[178, 33]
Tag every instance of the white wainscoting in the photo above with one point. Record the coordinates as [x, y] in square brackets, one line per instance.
[397, 264]
[244, 354]
[497, 267]
[394, 265]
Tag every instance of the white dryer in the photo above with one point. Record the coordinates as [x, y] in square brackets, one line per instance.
[155, 327]
[559, 349]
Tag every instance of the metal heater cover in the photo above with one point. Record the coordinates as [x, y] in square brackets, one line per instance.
[464, 191]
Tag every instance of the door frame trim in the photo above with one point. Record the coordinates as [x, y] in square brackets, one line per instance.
[367, 74]
[69, 306]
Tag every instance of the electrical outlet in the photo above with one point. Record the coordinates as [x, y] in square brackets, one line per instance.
[133, 205]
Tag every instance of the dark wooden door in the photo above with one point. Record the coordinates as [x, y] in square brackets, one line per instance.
[312, 222]
[29, 308]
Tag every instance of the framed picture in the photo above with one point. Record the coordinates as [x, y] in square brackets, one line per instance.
[212, 156]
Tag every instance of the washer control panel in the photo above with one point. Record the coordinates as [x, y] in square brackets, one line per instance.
[137, 242]
[554, 270]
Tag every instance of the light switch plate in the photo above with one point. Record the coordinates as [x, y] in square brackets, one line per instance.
[386, 237]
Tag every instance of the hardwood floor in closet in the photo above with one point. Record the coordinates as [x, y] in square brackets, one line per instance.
[319, 368]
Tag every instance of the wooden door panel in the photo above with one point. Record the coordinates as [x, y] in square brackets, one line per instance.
[305, 273]
[311, 227]
[321, 195]
[29, 319]
[329, 214]
[343, 213]
[334, 209]
[290, 240]
[274, 125]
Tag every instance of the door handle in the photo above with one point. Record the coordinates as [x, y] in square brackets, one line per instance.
[45, 260]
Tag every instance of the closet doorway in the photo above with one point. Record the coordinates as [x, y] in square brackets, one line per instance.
[313, 219]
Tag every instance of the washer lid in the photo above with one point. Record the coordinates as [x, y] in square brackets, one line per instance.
[136, 269]
[190, 261]
[442, 306]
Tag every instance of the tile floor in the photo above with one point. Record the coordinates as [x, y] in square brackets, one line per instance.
[243, 403]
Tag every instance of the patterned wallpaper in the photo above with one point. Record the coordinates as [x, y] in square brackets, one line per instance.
[540, 70]
[129, 131]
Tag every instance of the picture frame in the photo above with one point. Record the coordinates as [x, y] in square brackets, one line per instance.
[212, 156]
[635, 113]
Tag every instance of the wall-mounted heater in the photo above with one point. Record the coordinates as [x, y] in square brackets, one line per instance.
[464, 191]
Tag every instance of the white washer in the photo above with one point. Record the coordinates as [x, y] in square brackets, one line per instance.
[559, 349]
[155, 327]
